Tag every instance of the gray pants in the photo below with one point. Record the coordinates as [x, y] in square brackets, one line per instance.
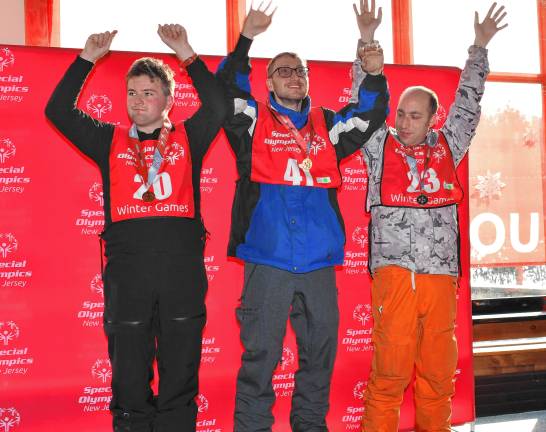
[270, 296]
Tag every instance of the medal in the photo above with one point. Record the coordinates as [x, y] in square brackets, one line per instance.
[148, 196]
[306, 164]
[422, 199]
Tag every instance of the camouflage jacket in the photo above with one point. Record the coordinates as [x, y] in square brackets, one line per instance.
[424, 240]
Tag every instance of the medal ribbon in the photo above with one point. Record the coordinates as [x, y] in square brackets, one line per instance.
[148, 175]
[285, 120]
[410, 152]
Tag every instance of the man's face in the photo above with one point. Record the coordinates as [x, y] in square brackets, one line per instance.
[147, 105]
[413, 117]
[291, 90]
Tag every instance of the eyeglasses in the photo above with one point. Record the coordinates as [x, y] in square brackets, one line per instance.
[286, 72]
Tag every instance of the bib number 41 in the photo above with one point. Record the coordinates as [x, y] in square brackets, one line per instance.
[293, 174]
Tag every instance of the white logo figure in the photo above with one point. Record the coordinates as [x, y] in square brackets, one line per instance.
[99, 105]
[287, 358]
[318, 143]
[440, 115]
[8, 243]
[97, 285]
[175, 152]
[360, 236]
[6, 58]
[358, 156]
[202, 403]
[96, 194]
[7, 149]
[102, 370]
[362, 313]
[358, 390]
[9, 418]
[439, 153]
[8, 332]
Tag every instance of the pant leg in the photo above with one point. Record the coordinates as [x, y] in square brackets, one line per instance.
[128, 314]
[265, 303]
[315, 319]
[394, 338]
[436, 359]
[182, 317]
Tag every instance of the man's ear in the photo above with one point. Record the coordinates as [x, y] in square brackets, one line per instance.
[170, 103]
[269, 84]
[433, 120]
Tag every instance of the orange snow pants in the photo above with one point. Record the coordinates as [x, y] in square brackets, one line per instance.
[414, 322]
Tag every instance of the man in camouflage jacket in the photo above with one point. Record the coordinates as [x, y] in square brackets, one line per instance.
[412, 196]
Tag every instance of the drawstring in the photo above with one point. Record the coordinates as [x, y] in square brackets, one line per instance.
[413, 281]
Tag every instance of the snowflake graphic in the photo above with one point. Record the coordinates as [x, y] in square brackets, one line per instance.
[441, 115]
[102, 370]
[8, 244]
[7, 149]
[8, 332]
[175, 152]
[362, 313]
[489, 186]
[9, 418]
[99, 105]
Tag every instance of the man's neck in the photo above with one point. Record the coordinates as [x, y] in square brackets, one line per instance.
[294, 105]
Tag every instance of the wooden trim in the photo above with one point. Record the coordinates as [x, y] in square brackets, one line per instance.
[541, 14]
[235, 15]
[42, 22]
[402, 32]
[518, 78]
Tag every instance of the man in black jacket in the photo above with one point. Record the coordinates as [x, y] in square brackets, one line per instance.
[155, 279]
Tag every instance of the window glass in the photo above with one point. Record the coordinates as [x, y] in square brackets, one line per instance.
[506, 164]
[443, 30]
[137, 20]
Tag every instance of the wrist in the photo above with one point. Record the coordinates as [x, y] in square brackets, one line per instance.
[184, 54]
[86, 56]
[188, 61]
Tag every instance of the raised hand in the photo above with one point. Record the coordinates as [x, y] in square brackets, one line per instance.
[97, 45]
[485, 30]
[176, 38]
[367, 20]
[258, 20]
[372, 59]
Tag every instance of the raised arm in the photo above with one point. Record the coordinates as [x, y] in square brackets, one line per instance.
[464, 114]
[88, 134]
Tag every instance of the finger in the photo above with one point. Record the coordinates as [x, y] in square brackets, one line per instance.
[272, 13]
[380, 14]
[372, 10]
[260, 6]
[361, 6]
[498, 12]
[476, 18]
[366, 6]
[268, 6]
[502, 27]
[491, 9]
[499, 19]
[356, 10]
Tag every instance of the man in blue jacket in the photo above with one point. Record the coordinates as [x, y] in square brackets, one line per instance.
[286, 223]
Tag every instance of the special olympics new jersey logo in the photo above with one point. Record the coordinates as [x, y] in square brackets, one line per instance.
[359, 157]
[102, 370]
[202, 403]
[7, 149]
[9, 418]
[358, 390]
[317, 144]
[99, 105]
[96, 193]
[288, 358]
[8, 244]
[6, 58]
[97, 285]
[8, 332]
[360, 236]
[439, 153]
[175, 153]
[362, 313]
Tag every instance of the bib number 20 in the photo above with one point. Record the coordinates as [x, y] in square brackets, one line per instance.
[162, 186]
[293, 174]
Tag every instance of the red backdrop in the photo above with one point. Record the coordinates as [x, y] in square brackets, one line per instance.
[53, 360]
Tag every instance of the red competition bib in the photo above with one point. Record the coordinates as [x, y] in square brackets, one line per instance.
[278, 158]
[172, 186]
[420, 176]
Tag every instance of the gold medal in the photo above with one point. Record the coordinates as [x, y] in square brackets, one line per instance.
[306, 164]
[148, 196]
